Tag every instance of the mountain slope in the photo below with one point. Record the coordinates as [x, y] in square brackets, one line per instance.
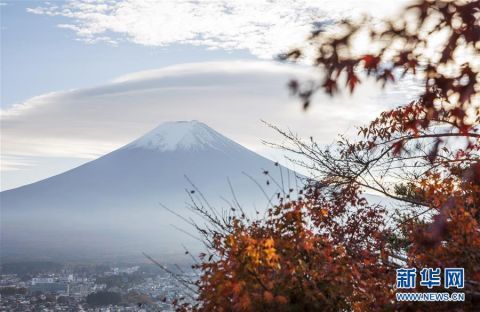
[111, 206]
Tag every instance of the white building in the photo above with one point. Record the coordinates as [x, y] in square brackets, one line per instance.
[42, 280]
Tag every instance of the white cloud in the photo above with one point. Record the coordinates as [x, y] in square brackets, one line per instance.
[11, 163]
[232, 97]
[265, 28]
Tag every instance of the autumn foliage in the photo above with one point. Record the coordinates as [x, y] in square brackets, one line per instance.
[326, 247]
[300, 257]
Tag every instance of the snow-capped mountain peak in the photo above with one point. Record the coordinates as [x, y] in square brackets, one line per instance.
[110, 205]
[181, 135]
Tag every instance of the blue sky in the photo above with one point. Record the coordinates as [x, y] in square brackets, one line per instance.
[80, 78]
[39, 57]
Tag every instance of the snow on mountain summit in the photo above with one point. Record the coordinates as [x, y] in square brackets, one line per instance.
[182, 135]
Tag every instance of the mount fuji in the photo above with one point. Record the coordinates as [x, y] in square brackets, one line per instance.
[113, 206]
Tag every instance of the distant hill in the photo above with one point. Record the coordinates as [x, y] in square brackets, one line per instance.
[30, 267]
